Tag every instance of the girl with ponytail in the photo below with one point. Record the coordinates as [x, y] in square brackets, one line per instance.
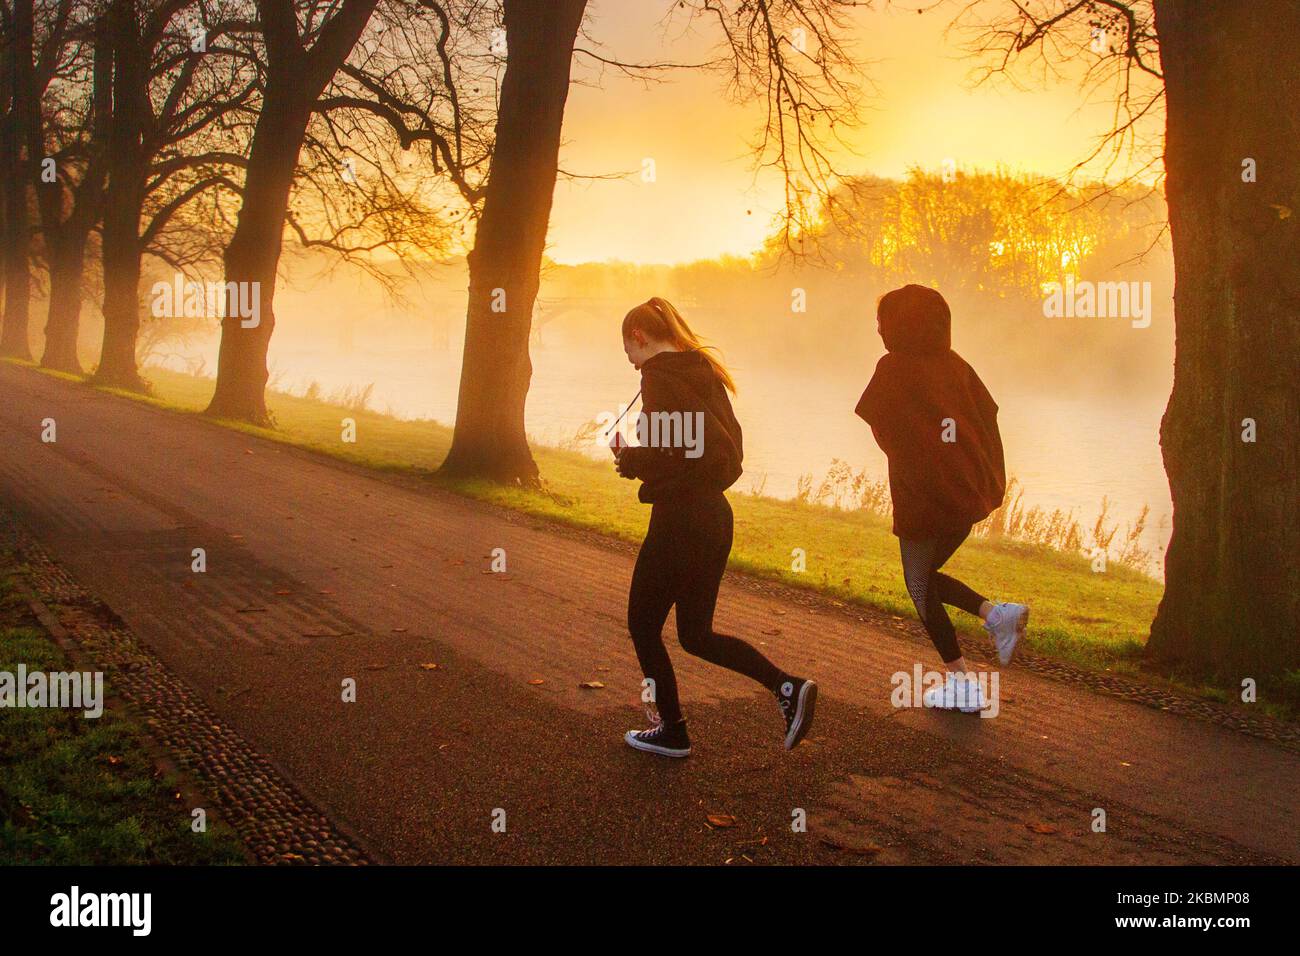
[684, 468]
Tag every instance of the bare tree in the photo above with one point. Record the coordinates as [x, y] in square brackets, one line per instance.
[786, 54]
[325, 158]
[305, 45]
[1227, 79]
[173, 84]
[69, 139]
[21, 103]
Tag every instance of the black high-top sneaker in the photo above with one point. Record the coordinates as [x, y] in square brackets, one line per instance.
[662, 739]
[798, 698]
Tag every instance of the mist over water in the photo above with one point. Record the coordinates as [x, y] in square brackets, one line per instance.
[1069, 442]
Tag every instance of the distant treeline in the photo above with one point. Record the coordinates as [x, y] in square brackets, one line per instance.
[990, 241]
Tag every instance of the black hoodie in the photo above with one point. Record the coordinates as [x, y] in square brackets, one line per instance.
[938, 488]
[676, 386]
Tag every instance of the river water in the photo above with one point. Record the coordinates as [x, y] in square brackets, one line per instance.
[1068, 449]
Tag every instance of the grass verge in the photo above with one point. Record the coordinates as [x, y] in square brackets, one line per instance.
[80, 791]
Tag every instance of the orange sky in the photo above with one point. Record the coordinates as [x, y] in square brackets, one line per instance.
[705, 201]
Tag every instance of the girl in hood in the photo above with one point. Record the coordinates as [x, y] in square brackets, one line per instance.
[689, 454]
[937, 424]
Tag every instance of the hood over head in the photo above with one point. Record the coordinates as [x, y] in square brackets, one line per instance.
[915, 320]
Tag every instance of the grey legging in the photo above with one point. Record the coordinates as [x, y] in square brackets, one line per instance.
[930, 590]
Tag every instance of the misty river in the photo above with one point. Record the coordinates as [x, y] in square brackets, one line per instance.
[1067, 447]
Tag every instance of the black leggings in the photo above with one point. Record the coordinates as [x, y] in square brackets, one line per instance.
[681, 562]
[930, 590]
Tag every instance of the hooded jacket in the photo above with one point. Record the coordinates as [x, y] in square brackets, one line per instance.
[938, 487]
[683, 398]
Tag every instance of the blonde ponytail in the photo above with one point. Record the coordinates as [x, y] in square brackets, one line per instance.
[658, 320]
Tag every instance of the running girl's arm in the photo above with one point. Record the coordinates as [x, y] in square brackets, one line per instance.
[646, 462]
[878, 402]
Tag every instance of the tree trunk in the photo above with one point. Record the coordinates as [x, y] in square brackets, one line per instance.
[66, 238]
[67, 259]
[121, 258]
[17, 262]
[123, 203]
[14, 138]
[1232, 570]
[253, 256]
[505, 264]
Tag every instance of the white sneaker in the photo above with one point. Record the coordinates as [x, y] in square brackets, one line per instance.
[957, 693]
[1007, 623]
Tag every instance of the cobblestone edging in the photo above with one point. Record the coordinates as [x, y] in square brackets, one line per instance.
[276, 822]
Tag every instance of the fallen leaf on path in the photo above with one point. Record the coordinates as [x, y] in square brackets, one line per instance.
[772, 631]
[536, 681]
[283, 592]
[591, 685]
[1040, 827]
[721, 820]
[428, 667]
[400, 630]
